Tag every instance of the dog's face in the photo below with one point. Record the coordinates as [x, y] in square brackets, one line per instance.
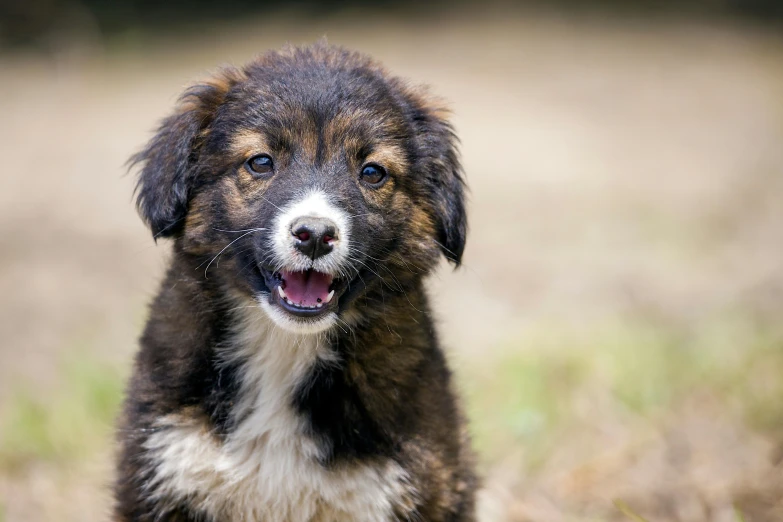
[303, 181]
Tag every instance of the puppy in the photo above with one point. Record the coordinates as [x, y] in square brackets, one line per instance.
[290, 370]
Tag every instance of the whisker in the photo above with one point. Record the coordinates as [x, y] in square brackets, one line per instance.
[245, 230]
[265, 199]
[399, 288]
[223, 250]
[164, 229]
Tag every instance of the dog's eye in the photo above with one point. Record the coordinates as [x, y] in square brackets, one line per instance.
[373, 175]
[260, 165]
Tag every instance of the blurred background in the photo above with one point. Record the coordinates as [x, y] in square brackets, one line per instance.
[617, 329]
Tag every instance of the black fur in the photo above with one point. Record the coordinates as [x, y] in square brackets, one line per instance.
[320, 111]
[338, 418]
[168, 174]
[446, 185]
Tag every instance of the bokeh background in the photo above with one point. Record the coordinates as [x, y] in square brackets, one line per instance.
[617, 329]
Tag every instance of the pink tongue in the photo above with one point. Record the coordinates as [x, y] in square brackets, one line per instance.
[306, 288]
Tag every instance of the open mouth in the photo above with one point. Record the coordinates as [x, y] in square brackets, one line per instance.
[306, 293]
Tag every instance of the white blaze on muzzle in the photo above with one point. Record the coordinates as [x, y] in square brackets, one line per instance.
[315, 205]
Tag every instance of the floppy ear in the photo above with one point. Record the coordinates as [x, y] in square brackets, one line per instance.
[444, 177]
[168, 160]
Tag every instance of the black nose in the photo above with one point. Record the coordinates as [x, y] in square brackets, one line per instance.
[314, 236]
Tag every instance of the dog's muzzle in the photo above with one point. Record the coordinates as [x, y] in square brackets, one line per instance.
[306, 278]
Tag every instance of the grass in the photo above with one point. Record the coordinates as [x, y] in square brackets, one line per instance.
[523, 398]
[535, 394]
[69, 424]
[627, 511]
[536, 389]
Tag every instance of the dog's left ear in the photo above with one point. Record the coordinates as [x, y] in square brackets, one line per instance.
[168, 160]
[442, 169]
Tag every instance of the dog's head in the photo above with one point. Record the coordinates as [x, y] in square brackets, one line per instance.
[304, 179]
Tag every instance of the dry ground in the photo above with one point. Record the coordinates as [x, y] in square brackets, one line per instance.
[616, 329]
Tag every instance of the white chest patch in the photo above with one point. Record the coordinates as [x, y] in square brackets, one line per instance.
[266, 470]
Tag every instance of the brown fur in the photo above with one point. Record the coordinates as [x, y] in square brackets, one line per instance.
[385, 396]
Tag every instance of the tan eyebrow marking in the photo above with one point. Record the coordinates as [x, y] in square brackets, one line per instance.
[246, 142]
[360, 128]
[391, 157]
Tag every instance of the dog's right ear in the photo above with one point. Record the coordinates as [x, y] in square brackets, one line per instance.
[168, 160]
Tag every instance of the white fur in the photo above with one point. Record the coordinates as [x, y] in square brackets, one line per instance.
[266, 470]
[314, 203]
[296, 326]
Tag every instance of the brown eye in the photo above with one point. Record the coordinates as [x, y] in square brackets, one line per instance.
[373, 175]
[260, 165]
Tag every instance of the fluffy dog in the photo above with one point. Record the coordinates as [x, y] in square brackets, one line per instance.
[290, 370]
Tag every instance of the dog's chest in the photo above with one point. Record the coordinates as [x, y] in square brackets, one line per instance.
[271, 481]
[266, 469]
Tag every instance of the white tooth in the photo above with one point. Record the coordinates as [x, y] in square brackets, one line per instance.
[280, 291]
[329, 297]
